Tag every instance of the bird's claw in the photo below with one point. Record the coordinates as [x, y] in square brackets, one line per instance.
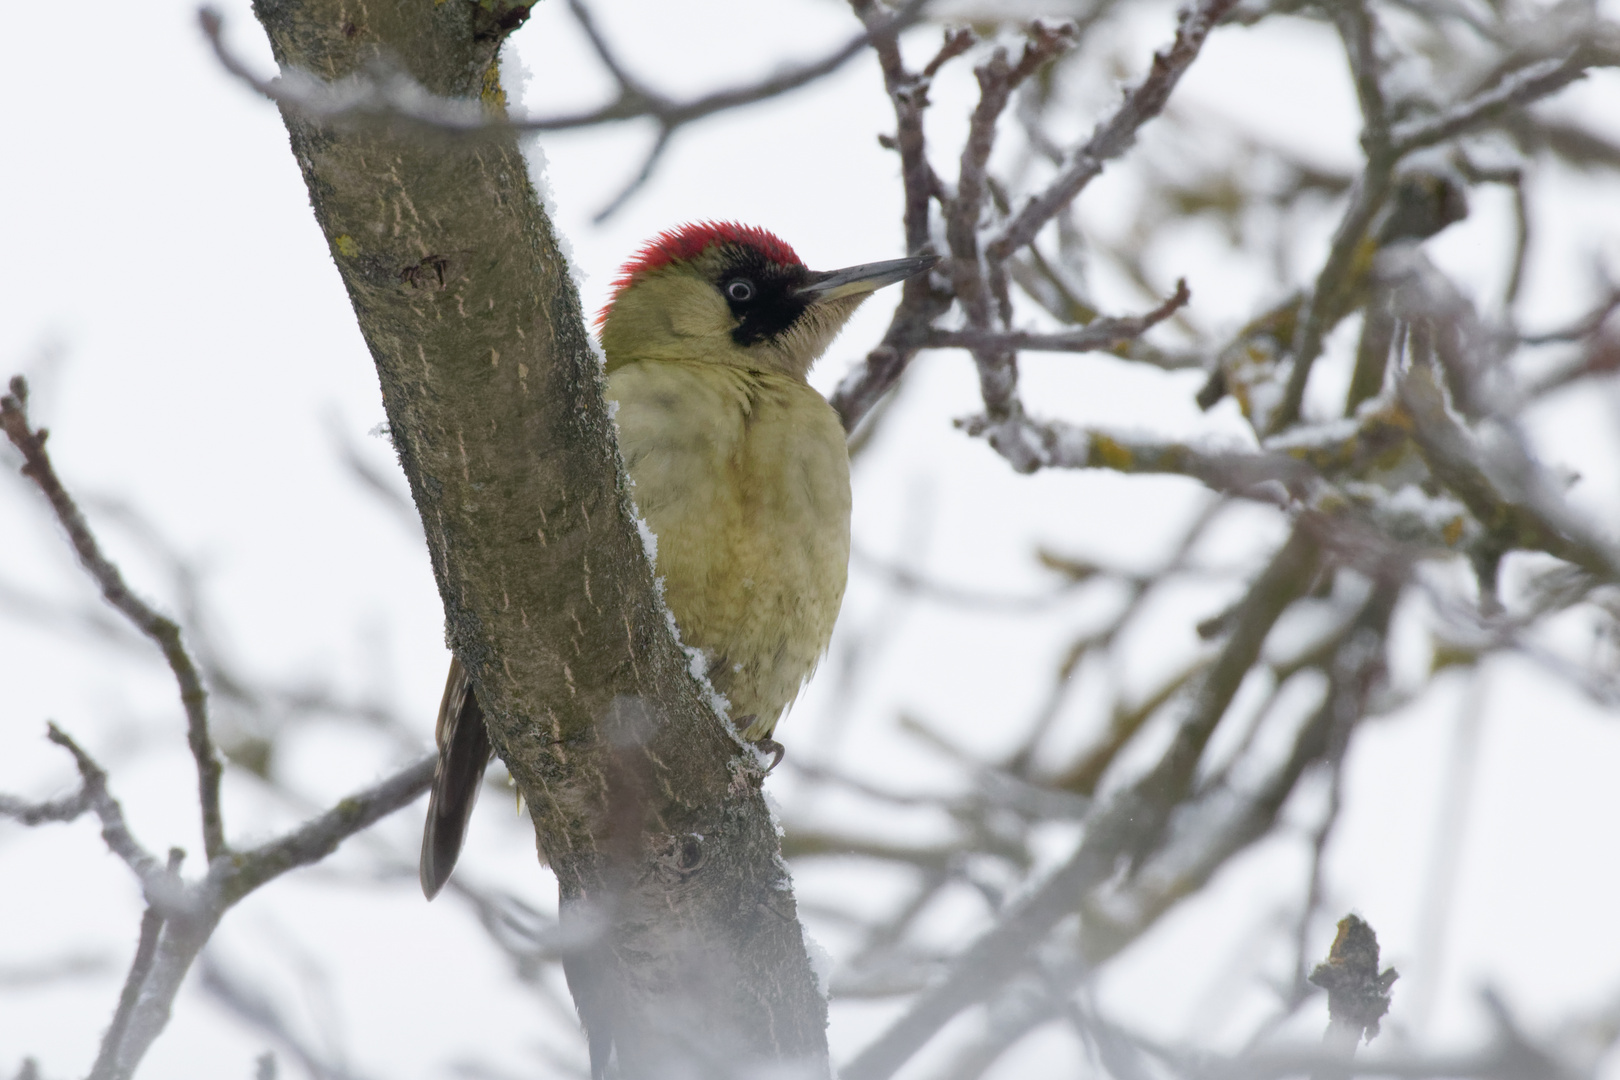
[775, 749]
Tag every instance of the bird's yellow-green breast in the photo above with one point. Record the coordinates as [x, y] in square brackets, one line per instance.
[744, 478]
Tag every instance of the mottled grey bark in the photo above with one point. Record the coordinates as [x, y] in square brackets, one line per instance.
[689, 950]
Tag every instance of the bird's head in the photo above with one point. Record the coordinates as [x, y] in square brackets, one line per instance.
[724, 293]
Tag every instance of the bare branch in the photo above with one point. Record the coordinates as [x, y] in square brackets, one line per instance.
[920, 301]
[140, 969]
[907, 580]
[1100, 335]
[190, 918]
[158, 885]
[1328, 299]
[1520, 519]
[66, 808]
[380, 98]
[320, 836]
[1600, 357]
[885, 29]
[630, 88]
[1325, 305]
[1117, 828]
[1115, 135]
[389, 97]
[978, 285]
[1029, 444]
[1439, 893]
[1584, 327]
[1570, 142]
[805, 844]
[860, 390]
[162, 630]
[250, 1004]
[1354, 20]
[908, 94]
[1385, 146]
[958, 40]
[648, 163]
[1504, 488]
[1521, 88]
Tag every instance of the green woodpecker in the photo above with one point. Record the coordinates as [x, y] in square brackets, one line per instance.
[739, 469]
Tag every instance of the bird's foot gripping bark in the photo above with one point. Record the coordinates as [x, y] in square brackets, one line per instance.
[760, 735]
[773, 748]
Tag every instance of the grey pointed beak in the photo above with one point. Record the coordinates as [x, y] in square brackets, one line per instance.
[868, 277]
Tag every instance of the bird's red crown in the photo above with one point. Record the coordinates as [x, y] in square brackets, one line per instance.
[690, 240]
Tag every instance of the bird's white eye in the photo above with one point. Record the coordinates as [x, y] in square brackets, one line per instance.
[740, 290]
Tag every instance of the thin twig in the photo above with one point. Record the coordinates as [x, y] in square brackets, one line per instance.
[393, 98]
[320, 836]
[1357, 665]
[998, 372]
[66, 808]
[1115, 829]
[629, 85]
[1029, 444]
[201, 905]
[638, 181]
[1100, 335]
[1327, 302]
[1600, 357]
[806, 844]
[390, 99]
[1584, 327]
[904, 578]
[1529, 84]
[979, 285]
[157, 885]
[162, 630]
[920, 302]
[1385, 145]
[1524, 518]
[249, 1003]
[1117, 134]
[1354, 21]
[180, 917]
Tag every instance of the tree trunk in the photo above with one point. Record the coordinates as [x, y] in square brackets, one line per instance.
[689, 956]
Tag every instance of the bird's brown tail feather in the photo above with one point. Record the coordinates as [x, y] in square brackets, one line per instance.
[464, 751]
